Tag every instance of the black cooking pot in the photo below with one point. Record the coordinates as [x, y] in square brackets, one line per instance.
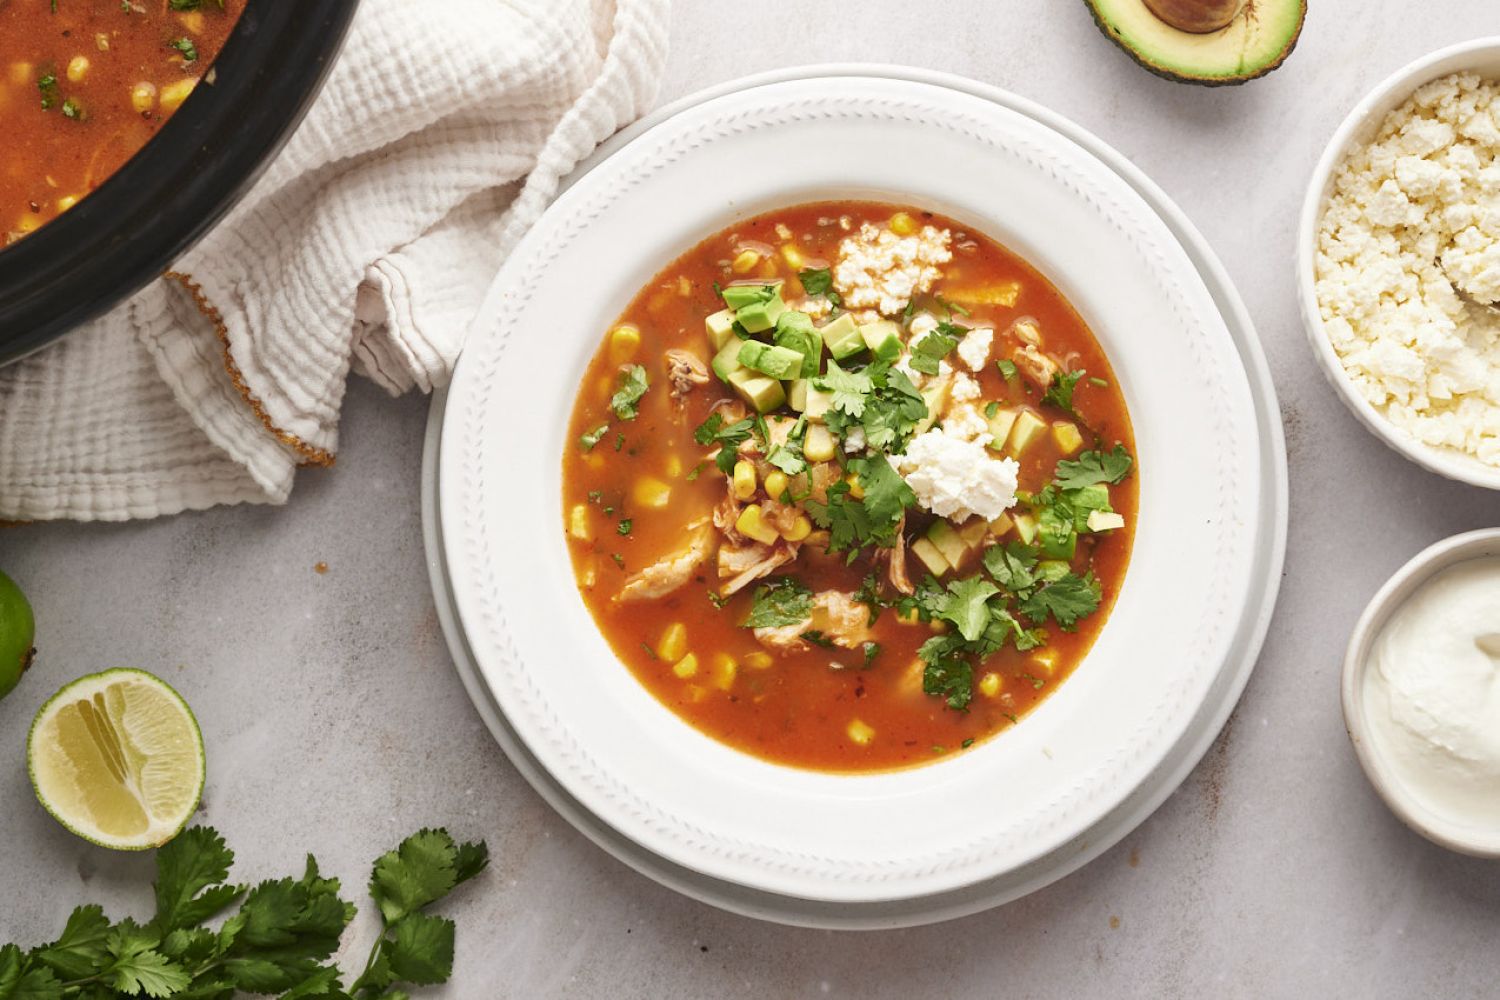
[204, 158]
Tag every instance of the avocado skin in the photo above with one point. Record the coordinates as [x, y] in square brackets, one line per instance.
[1200, 81]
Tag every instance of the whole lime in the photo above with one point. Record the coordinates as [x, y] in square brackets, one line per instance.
[17, 630]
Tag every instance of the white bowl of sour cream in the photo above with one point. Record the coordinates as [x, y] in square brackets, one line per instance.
[1421, 691]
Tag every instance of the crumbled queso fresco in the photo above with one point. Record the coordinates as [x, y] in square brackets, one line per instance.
[876, 269]
[1412, 215]
[954, 474]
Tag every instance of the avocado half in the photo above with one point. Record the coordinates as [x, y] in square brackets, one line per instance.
[1255, 42]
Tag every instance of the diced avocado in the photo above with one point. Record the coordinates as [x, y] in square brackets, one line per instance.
[1028, 428]
[758, 317]
[1066, 436]
[760, 391]
[740, 296]
[1203, 41]
[1056, 535]
[727, 360]
[720, 328]
[924, 550]
[796, 394]
[936, 398]
[942, 535]
[1105, 520]
[973, 532]
[818, 403]
[884, 338]
[1053, 569]
[1087, 500]
[794, 330]
[768, 359]
[1025, 527]
[1000, 427]
[842, 337]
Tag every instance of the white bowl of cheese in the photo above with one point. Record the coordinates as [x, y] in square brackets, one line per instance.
[1405, 200]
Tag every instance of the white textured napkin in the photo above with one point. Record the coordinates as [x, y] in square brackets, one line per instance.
[442, 133]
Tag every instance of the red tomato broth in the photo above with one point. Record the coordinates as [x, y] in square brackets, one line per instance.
[97, 54]
[797, 711]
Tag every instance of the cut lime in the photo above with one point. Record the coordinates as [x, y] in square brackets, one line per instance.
[117, 758]
[17, 630]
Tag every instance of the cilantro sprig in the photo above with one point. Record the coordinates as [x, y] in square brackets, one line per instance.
[819, 281]
[279, 939]
[632, 386]
[727, 436]
[878, 398]
[853, 523]
[780, 601]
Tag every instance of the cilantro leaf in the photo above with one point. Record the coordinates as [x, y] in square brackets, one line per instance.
[1094, 467]
[1067, 600]
[819, 281]
[965, 606]
[886, 493]
[588, 439]
[849, 388]
[632, 386]
[421, 949]
[947, 673]
[418, 872]
[713, 431]
[932, 348]
[190, 872]
[1060, 392]
[20, 981]
[1011, 565]
[80, 951]
[149, 972]
[1008, 369]
[778, 602]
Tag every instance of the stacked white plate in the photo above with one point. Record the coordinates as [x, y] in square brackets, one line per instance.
[961, 834]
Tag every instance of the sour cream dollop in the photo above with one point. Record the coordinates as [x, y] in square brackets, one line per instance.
[1432, 693]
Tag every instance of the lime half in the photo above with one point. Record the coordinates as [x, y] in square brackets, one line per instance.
[117, 758]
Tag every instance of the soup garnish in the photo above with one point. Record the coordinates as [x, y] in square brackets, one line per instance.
[849, 487]
[84, 84]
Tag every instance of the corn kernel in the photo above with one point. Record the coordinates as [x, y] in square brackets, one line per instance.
[674, 465]
[578, 522]
[624, 341]
[775, 484]
[938, 627]
[143, 96]
[724, 669]
[694, 692]
[66, 202]
[651, 492]
[174, 93]
[744, 262]
[792, 256]
[78, 68]
[744, 479]
[1045, 661]
[752, 524]
[686, 667]
[860, 733]
[758, 660]
[903, 224]
[990, 685]
[684, 287]
[590, 577]
[101, 41]
[192, 20]
[855, 490]
[594, 461]
[818, 445]
[768, 269]
[1065, 435]
[20, 72]
[799, 530]
[673, 644]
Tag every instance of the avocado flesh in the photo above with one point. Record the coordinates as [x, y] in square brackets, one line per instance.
[1254, 43]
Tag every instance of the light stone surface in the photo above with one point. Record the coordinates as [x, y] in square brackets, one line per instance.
[335, 723]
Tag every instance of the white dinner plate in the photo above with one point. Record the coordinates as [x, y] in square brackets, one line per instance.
[1133, 717]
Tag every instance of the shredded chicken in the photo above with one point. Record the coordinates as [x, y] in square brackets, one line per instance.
[727, 515]
[744, 564]
[841, 620]
[1034, 365]
[666, 575]
[896, 554]
[685, 370]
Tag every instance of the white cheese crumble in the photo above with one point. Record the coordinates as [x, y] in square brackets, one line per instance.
[974, 349]
[953, 474]
[964, 389]
[876, 269]
[1411, 214]
[854, 440]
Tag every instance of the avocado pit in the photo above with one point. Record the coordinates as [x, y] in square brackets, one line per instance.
[1198, 17]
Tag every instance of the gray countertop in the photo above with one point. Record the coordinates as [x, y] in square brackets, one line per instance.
[335, 723]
